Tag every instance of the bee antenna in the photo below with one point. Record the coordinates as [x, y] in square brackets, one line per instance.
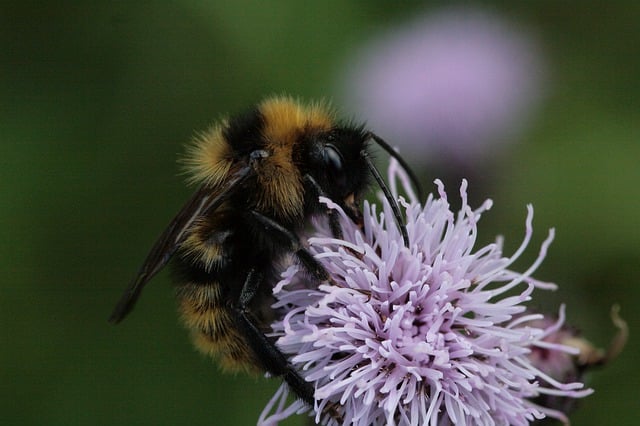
[392, 152]
[387, 194]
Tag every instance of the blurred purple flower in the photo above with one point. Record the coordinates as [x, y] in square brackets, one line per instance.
[457, 83]
[436, 334]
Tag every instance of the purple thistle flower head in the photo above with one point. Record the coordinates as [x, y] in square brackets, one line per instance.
[435, 334]
[458, 83]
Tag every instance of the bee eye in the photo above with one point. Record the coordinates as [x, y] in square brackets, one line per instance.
[332, 157]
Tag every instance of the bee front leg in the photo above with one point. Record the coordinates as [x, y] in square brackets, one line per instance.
[267, 353]
[310, 263]
[334, 220]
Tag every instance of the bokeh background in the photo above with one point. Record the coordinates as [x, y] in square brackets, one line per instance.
[98, 98]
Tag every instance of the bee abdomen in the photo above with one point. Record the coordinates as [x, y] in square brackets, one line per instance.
[211, 322]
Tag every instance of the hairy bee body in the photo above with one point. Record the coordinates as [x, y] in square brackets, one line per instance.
[213, 261]
[211, 268]
[260, 176]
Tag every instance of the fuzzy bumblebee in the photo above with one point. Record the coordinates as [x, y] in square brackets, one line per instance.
[260, 175]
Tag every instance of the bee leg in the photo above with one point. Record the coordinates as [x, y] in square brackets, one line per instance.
[265, 350]
[310, 263]
[334, 220]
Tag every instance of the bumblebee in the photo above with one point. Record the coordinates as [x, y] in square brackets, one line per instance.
[260, 175]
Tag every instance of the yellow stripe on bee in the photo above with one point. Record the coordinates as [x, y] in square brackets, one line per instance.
[213, 328]
[207, 254]
[285, 120]
[206, 239]
[209, 158]
[231, 353]
[285, 117]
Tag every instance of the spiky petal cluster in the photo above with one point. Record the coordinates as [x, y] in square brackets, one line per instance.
[433, 334]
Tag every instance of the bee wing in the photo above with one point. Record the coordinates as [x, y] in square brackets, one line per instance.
[205, 200]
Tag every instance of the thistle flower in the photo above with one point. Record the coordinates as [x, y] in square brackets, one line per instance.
[567, 367]
[458, 83]
[435, 334]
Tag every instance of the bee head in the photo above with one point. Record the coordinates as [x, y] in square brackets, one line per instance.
[337, 165]
[340, 164]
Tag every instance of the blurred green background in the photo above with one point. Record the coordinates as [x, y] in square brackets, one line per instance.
[97, 100]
